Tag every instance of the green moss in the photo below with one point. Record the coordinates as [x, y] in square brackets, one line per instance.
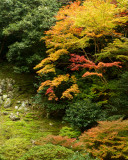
[14, 148]
[16, 136]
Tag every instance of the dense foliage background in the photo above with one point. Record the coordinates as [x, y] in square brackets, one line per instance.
[79, 50]
[22, 24]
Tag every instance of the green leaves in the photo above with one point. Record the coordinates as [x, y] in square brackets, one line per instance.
[23, 23]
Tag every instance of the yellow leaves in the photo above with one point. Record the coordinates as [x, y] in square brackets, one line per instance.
[42, 63]
[52, 58]
[57, 80]
[98, 17]
[73, 89]
[53, 84]
[48, 68]
[73, 79]
[56, 55]
[46, 83]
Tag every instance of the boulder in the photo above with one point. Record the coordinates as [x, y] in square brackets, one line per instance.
[5, 113]
[1, 100]
[7, 103]
[10, 94]
[1, 92]
[5, 96]
[9, 87]
[13, 117]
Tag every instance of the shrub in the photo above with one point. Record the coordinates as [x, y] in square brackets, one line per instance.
[82, 114]
[71, 143]
[69, 132]
[119, 100]
[14, 148]
[108, 141]
[47, 152]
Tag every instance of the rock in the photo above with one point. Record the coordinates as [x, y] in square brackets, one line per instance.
[7, 103]
[14, 117]
[9, 87]
[16, 107]
[23, 104]
[10, 94]
[1, 101]
[17, 113]
[23, 109]
[13, 81]
[18, 102]
[50, 124]
[26, 109]
[4, 96]
[5, 113]
[1, 92]
[2, 84]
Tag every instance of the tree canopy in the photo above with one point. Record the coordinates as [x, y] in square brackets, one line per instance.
[22, 24]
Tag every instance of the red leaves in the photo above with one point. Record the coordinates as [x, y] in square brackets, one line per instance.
[81, 62]
[64, 141]
[49, 90]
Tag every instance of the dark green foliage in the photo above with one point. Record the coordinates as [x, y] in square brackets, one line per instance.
[118, 50]
[69, 132]
[119, 100]
[83, 114]
[47, 152]
[22, 24]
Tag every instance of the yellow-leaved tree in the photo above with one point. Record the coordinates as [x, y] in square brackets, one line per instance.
[80, 28]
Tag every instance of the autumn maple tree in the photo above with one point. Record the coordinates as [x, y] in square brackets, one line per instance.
[80, 28]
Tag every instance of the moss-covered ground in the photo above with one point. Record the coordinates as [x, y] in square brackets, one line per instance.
[17, 137]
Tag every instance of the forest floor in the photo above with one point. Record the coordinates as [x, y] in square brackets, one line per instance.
[16, 137]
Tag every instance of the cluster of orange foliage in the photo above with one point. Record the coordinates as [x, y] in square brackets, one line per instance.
[109, 140]
[64, 141]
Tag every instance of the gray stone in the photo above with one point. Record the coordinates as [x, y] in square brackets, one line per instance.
[9, 87]
[14, 117]
[26, 109]
[10, 94]
[18, 102]
[7, 103]
[1, 100]
[16, 107]
[1, 92]
[3, 84]
[23, 104]
[5, 96]
[17, 113]
[5, 113]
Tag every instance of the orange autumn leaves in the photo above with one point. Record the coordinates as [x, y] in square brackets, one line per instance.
[76, 25]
